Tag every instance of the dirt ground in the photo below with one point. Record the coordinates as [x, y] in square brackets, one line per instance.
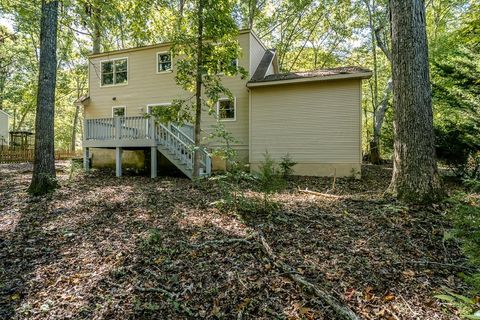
[102, 247]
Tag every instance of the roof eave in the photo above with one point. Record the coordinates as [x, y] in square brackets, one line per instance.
[360, 75]
[4, 113]
[152, 46]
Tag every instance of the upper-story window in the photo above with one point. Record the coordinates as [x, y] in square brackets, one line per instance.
[226, 109]
[164, 61]
[222, 69]
[114, 72]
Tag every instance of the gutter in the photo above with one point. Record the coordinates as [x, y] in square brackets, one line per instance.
[362, 75]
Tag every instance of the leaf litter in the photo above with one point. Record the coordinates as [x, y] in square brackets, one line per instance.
[102, 247]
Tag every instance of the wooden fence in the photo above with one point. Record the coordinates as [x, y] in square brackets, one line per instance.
[10, 155]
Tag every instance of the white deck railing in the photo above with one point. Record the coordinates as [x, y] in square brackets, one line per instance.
[171, 137]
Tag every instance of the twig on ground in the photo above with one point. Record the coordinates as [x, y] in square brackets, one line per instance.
[343, 311]
[326, 195]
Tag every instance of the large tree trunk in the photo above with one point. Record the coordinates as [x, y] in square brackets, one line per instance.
[415, 174]
[198, 91]
[43, 179]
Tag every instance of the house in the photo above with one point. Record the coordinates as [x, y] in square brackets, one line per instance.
[3, 128]
[313, 116]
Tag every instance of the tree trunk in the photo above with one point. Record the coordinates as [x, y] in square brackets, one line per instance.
[379, 116]
[415, 175]
[198, 91]
[97, 30]
[43, 179]
[74, 129]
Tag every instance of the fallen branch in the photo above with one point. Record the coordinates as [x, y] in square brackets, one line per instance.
[342, 311]
[320, 194]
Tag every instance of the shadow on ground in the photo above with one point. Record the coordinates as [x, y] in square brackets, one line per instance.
[135, 248]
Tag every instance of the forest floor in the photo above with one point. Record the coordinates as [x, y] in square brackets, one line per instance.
[102, 247]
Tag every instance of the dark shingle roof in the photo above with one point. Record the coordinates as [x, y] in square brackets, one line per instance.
[263, 65]
[320, 73]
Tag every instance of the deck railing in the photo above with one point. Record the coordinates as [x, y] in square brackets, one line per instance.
[99, 129]
[118, 128]
[169, 136]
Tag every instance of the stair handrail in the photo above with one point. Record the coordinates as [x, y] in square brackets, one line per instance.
[207, 162]
[183, 134]
[174, 135]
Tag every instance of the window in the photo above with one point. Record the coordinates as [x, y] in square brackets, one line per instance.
[114, 72]
[226, 109]
[233, 64]
[119, 111]
[164, 62]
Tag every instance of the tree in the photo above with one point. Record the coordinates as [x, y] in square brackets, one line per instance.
[205, 44]
[415, 174]
[43, 179]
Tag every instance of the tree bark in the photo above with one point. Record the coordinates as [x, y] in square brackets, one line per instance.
[379, 116]
[43, 179]
[415, 174]
[198, 91]
[74, 129]
[97, 30]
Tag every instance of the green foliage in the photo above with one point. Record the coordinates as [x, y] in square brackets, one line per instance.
[286, 166]
[219, 47]
[171, 113]
[458, 146]
[465, 214]
[456, 98]
[232, 180]
[472, 185]
[269, 180]
[467, 307]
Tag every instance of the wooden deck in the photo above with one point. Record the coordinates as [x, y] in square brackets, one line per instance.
[141, 132]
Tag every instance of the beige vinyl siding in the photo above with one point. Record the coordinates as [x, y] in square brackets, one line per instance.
[315, 122]
[145, 86]
[257, 50]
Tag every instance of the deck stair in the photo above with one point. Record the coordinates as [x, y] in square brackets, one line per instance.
[175, 143]
[179, 148]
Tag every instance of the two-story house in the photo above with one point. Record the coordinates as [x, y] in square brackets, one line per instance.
[313, 116]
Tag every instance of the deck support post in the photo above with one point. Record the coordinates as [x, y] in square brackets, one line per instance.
[153, 162]
[118, 161]
[86, 159]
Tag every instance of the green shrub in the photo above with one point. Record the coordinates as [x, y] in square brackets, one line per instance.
[269, 180]
[286, 166]
[465, 214]
[458, 146]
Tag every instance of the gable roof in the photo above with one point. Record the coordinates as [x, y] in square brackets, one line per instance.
[350, 72]
[263, 65]
[4, 113]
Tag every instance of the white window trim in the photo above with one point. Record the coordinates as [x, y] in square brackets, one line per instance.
[171, 62]
[114, 84]
[163, 104]
[114, 107]
[234, 109]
